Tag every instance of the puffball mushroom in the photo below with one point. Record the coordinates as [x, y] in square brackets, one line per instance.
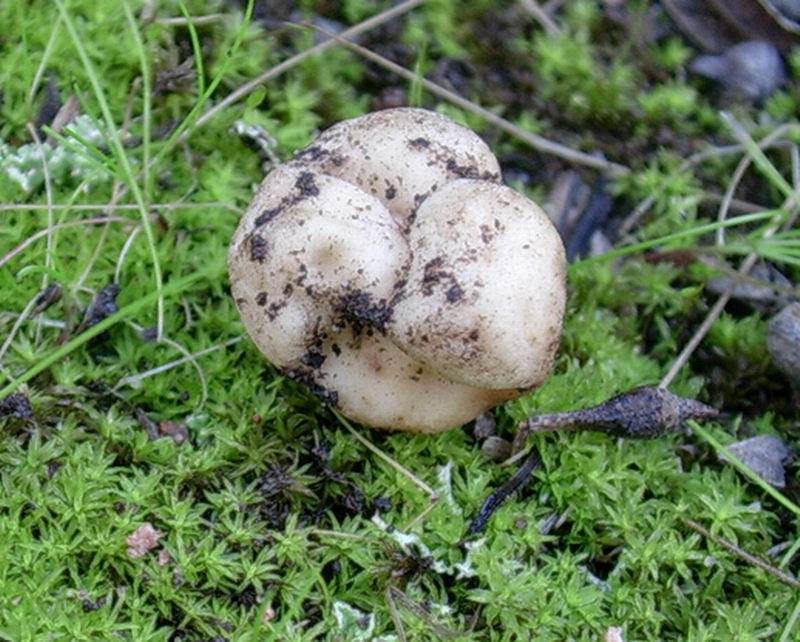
[388, 268]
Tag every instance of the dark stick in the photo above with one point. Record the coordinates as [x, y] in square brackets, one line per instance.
[498, 497]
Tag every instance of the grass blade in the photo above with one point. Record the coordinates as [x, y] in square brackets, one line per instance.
[129, 177]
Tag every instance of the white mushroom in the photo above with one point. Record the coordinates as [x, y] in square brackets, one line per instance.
[388, 268]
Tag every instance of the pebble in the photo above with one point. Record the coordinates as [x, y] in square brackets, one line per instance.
[783, 341]
[752, 69]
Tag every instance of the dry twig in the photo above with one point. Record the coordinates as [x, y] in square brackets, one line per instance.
[541, 16]
[539, 143]
[748, 557]
[277, 70]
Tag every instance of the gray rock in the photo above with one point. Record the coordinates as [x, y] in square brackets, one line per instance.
[752, 69]
[496, 449]
[766, 456]
[783, 341]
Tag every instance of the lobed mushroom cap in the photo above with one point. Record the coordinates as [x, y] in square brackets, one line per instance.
[400, 156]
[387, 268]
[307, 242]
[485, 295]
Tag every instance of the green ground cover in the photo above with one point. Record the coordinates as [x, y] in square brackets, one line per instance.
[275, 519]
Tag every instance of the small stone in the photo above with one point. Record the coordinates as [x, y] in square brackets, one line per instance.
[752, 69]
[496, 448]
[766, 456]
[783, 341]
[485, 426]
[750, 291]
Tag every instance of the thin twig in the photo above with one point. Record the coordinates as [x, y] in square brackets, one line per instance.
[702, 331]
[738, 174]
[743, 554]
[442, 633]
[18, 324]
[708, 258]
[277, 70]
[725, 203]
[188, 357]
[180, 21]
[44, 321]
[399, 629]
[541, 16]
[98, 220]
[787, 557]
[48, 190]
[695, 159]
[794, 154]
[535, 141]
[115, 142]
[90, 207]
[173, 287]
[134, 380]
[405, 472]
[116, 192]
[321, 532]
[736, 204]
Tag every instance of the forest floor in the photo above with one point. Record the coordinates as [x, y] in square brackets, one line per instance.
[161, 481]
